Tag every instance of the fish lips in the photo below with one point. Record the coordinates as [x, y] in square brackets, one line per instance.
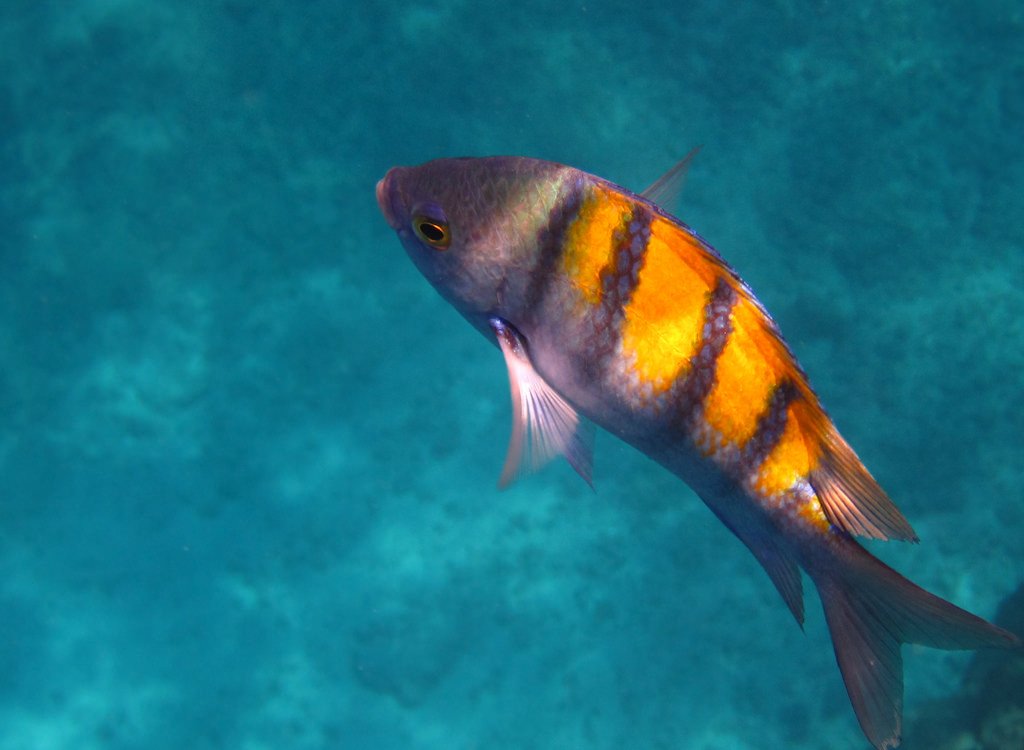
[389, 200]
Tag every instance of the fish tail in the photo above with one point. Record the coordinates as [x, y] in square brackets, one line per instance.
[871, 611]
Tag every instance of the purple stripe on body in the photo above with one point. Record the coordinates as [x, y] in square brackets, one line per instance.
[688, 394]
[619, 279]
[551, 240]
[770, 426]
[621, 276]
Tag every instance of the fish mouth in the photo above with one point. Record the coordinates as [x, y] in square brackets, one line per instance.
[385, 197]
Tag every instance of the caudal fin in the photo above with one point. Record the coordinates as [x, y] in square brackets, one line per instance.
[871, 611]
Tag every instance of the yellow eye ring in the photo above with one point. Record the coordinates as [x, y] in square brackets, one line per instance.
[432, 231]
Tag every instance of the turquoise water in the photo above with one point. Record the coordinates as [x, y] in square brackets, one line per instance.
[248, 457]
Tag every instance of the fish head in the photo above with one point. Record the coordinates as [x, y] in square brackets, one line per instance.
[472, 227]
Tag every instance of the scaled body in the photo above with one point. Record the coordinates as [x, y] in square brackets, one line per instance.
[609, 309]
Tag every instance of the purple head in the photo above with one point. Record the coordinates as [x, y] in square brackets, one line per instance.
[472, 225]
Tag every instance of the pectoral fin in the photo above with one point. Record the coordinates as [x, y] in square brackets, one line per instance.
[544, 425]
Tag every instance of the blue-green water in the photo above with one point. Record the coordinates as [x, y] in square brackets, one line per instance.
[248, 457]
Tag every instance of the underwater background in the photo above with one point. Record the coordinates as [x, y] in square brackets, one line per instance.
[248, 457]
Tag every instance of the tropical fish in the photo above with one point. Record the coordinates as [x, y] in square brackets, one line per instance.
[610, 311]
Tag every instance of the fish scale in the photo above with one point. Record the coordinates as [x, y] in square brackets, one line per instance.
[609, 311]
[692, 344]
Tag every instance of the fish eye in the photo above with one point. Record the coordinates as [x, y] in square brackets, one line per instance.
[432, 233]
[431, 226]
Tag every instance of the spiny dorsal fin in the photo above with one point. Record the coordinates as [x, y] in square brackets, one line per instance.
[666, 190]
[544, 425]
[850, 496]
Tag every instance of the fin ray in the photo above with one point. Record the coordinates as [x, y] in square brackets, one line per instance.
[850, 496]
[779, 564]
[785, 574]
[871, 610]
[544, 424]
[666, 190]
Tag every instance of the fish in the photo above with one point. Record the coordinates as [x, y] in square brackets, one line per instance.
[612, 313]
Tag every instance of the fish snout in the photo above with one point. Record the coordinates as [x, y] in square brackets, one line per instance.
[385, 198]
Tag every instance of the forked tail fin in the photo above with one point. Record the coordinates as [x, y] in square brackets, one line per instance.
[871, 610]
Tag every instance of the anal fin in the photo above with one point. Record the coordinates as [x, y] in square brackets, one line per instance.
[785, 574]
[779, 564]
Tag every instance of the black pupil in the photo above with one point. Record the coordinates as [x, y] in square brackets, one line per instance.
[432, 232]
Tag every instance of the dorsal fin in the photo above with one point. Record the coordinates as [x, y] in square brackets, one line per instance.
[850, 496]
[666, 190]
